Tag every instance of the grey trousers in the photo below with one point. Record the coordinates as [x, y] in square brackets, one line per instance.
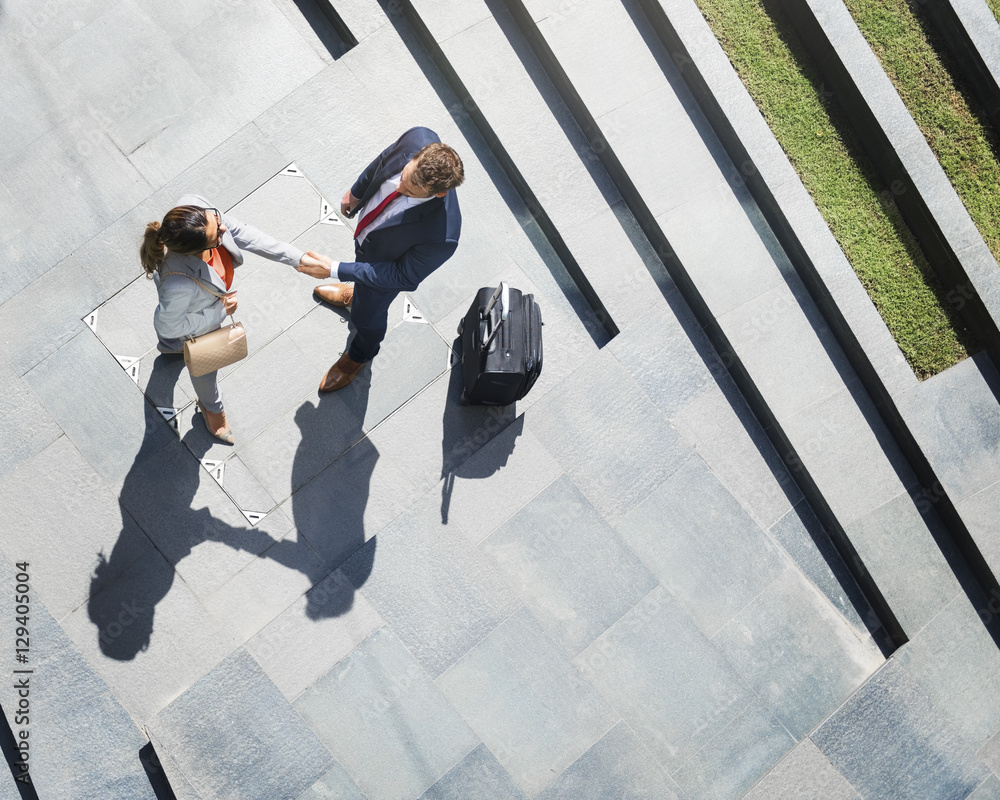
[207, 389]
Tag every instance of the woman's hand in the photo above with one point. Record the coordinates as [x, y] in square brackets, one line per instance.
[315, 265]
[229, 301]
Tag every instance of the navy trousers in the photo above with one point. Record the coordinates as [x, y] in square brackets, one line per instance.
[370, 315]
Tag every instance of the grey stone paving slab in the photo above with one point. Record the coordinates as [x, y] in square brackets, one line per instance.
[97, 405]
[570, 567]
[797, 653]
[432, 585]
[447, 18]
[702, 545]
[672, 687]
[275, 296]
[148, 635]
[658, 353]
[124, 324]
[775, 339]
[136, 87]
[78, 154]
[990, 753]
[244, 489]
[736, 268]
[895, 534]
[988, 790]
[300, 444]
[617, 766]
[957, 423]
[979, 512]
[334, 785]
[264, 588]
[15, 218]
[606, 77]
[737, 757]
[350, 501]
[385, 721]
[34, 98]
[71, 714]
[500, 478]
[313, 634]
[263, 751]
[286, 207]
[57, 23]
[177, 18]
[727, 436]
[956, 663]
[797, 532]
[25, 426]
[804, 774]
[435, 429]
[849, 453]
[253, 58]
[186, 139]
[608, 436]
[888, 740]
[46, 314]
[665, 177]
[528, 703]
[85, 532]
[478, 776]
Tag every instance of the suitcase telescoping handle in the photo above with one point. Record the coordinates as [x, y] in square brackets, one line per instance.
[502, 294]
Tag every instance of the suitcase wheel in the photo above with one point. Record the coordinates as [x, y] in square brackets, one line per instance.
[464, 399]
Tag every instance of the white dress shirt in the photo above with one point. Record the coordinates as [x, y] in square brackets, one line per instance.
[389, 213]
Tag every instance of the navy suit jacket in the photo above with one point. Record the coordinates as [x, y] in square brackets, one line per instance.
[399, 256]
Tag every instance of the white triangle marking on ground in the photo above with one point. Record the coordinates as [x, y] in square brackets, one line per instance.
[254, 517]
[170, 415]
[411, 313]
[91, 320]
[293, 170]
[217, 469]
[131, 366]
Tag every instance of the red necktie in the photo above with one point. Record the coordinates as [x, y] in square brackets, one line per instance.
[370, 216]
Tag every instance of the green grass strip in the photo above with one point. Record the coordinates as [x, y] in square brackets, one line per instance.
[959, 139]
[814, 133]
[994, 7]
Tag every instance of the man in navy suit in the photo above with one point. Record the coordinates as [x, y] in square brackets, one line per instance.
[409, 226]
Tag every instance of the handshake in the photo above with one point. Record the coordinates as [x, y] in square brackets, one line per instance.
[315, 265]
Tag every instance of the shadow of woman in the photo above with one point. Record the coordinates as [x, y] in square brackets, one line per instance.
[157, 496]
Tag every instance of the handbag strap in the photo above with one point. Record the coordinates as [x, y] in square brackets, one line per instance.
[200, 283]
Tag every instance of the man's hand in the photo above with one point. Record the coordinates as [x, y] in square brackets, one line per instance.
[347, 203]
[315, 265]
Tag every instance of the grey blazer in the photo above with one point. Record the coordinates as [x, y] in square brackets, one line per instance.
[185, 309]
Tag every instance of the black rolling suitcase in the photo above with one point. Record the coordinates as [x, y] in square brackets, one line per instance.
[501, 346]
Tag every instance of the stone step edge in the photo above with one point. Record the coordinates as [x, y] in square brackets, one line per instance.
[892, 634]
[468, 104]
[896, 147]
[810, 246]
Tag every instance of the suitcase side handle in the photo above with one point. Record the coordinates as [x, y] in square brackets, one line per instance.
[502, 294]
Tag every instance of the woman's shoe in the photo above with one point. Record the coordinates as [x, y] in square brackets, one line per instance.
[217, 425]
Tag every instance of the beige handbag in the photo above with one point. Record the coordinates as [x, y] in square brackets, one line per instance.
[215, 349]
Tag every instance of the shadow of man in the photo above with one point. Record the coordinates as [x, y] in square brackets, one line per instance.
[466, 429]
[329, 509]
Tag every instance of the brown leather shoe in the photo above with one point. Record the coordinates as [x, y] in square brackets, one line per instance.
[340, 374]
[340, 295]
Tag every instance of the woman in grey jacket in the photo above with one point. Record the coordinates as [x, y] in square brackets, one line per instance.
[201, 247]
